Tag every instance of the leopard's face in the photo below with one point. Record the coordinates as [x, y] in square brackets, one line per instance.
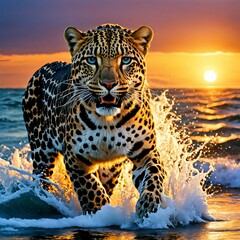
[108, 66]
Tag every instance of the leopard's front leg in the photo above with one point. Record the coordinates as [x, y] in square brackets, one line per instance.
[148, 177]
[90, 191]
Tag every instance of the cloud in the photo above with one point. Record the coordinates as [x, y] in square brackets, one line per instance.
[180, 25]
[4, 60]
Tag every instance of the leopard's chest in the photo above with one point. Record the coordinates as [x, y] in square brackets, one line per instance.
[102, 145]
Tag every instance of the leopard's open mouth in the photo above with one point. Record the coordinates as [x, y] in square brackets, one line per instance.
[108, 101]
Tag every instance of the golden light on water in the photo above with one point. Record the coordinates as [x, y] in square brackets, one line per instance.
[210, 76]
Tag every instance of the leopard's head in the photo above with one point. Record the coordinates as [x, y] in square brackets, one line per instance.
[108, 66]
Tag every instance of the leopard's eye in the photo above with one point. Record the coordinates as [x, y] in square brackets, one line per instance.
[126, 60]
[92, 60]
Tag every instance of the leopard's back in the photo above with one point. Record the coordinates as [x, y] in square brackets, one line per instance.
[44, 103]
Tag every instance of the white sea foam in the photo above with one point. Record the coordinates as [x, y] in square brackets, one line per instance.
[186, 200]
[227, 172]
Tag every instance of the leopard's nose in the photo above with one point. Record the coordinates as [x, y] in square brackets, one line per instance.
[108, 84]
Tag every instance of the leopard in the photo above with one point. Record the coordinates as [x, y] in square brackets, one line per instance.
[95, 112]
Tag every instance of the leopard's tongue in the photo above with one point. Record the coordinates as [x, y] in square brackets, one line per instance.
[109, 99]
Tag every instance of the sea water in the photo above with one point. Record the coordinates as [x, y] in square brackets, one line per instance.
[193, 127]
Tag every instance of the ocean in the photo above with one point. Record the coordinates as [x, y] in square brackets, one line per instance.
[198, 137]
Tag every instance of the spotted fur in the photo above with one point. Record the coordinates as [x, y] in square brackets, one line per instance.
[96, 113]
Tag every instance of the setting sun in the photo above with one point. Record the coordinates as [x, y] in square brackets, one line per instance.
[210, 76]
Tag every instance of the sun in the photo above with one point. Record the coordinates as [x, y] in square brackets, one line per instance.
[210, 76]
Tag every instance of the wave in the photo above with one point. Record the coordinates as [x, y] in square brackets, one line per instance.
[219, 118]
[232, 118]
[226, 171]
[204, 96]
[11, 103]
[15, 206]
[219, 129]
[224, 105]
[8, 120]
[228, 147]
[219, 111]
[219, 146]
[235, 99]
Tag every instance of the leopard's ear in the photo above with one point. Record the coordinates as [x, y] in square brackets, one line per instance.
[75, 38]
[142, 38]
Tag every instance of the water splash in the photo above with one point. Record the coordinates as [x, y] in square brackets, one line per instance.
[186, 199]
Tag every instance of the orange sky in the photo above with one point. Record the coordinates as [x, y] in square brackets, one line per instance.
[168, 70]
[186, 70]
[190, 37]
